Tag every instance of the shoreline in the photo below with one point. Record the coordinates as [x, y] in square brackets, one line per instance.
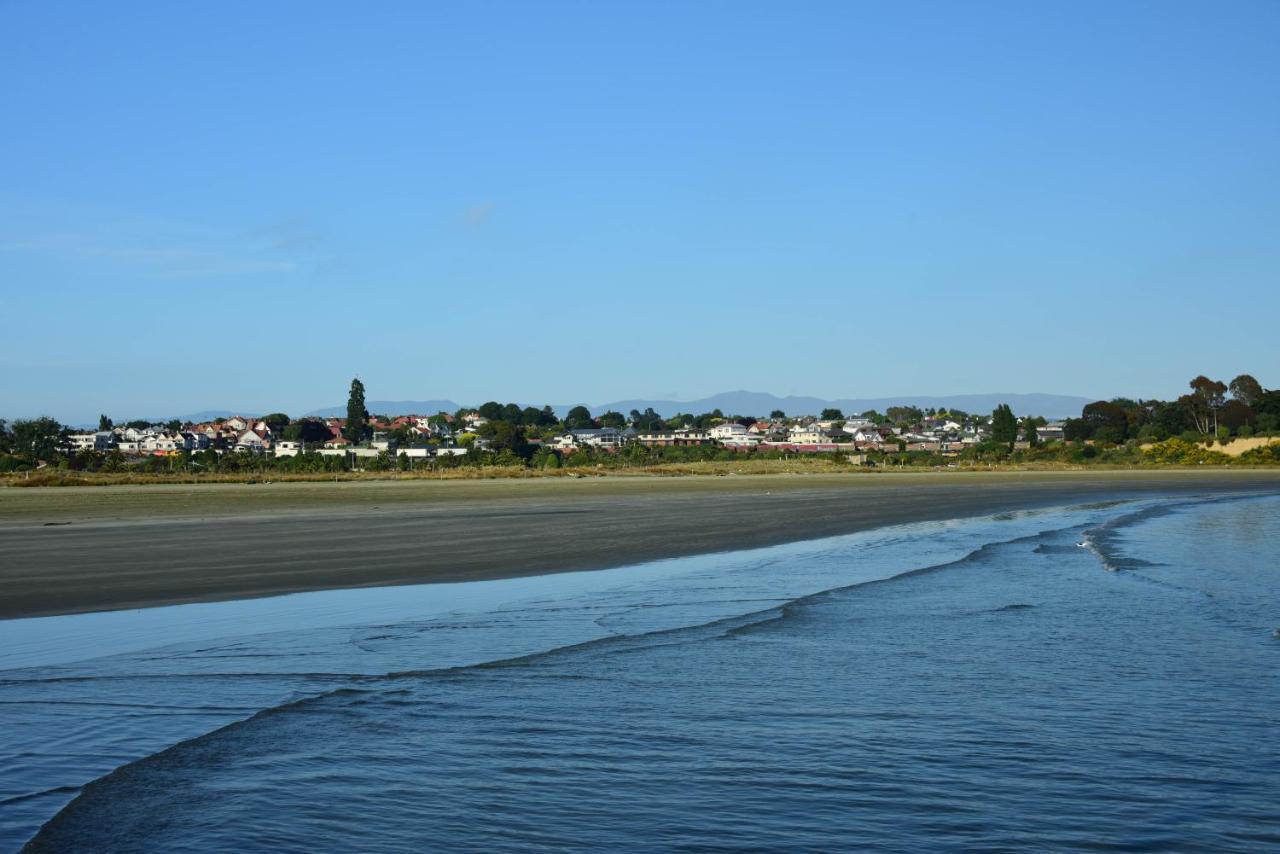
[84, 549]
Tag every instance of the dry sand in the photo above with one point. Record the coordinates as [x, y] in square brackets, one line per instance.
[70, 550]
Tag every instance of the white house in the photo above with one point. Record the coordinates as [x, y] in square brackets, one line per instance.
[811, 435]
[604, 437]
[161, 443]
[727, 431]
[250, 441]
[103, 440]
[867, 437]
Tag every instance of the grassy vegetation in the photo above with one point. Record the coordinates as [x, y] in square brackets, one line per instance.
[1171, 454]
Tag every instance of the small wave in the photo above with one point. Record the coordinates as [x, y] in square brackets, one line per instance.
[43, 793]
[1089, 544]
[1100, 539]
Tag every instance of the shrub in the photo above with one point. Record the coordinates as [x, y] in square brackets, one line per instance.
[1181, 452]
[1267, 455]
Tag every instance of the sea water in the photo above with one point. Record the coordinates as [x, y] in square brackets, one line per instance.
[1103, 676]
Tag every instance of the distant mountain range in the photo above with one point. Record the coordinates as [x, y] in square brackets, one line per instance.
[761, 404]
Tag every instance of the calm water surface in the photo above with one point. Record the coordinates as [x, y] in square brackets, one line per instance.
[1098, 677]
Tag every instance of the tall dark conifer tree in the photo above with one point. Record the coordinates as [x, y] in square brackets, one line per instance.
[357, 415]
[1004, 427]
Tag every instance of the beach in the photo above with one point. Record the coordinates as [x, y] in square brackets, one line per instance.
[76, 550]
[803, 694]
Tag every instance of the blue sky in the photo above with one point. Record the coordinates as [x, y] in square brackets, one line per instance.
[243, 205]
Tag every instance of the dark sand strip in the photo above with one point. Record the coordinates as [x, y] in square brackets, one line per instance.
[73, 550]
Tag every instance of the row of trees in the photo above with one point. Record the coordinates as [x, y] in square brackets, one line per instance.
[1212, 409]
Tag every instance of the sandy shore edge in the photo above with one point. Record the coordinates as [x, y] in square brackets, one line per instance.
[106, 548]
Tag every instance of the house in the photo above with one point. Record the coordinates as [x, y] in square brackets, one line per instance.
[769, 431]
[1052, 431]
[608, 438]
[806, 435]
[195, 441]
[664, 438]
[728, 431]
[734, 435]
[162, 443]
[250, 440]
[102, 440]
[236, 423]
[287, 449]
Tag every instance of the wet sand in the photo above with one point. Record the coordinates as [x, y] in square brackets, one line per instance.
[70, 550]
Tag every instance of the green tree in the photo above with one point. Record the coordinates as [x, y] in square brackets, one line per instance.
[277, 421]
[505, 436]
[831, 414]
[1106, 421]
[37, 438]
[777, 415]
[492, 410]
[309, 430]
[402, 435]
[104, 423]
[613, 419]
[357, 415]
[1206, 398]
[1267, 408]
[1029, 430]
[1004, 426]
[579, 418]
[647, 420]
[1246, 389]
[1236, 414]
[903, 414]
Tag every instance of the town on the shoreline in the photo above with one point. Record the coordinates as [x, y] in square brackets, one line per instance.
[494, 434]
[448, 434]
